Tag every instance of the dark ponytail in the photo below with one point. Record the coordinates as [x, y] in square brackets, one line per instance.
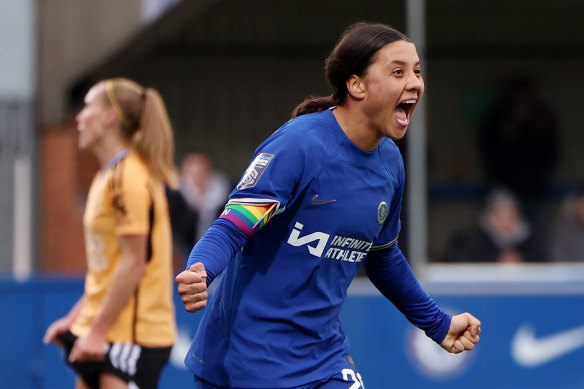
[314, 105]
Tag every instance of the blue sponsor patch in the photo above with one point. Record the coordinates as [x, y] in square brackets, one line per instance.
[255, 170]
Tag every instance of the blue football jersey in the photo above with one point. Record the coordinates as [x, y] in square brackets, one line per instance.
[273, 320]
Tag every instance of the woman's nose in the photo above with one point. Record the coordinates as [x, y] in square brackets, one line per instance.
[415, 82]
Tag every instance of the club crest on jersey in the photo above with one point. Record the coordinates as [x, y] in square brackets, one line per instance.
[255, 170]
[382, 212]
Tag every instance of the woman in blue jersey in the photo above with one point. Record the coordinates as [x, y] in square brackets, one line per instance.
[321, 197]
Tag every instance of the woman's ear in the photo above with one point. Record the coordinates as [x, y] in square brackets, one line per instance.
[356, 87]
[112, 118]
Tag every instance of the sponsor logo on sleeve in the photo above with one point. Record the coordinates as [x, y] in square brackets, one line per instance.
[382, 212]
[255, 170]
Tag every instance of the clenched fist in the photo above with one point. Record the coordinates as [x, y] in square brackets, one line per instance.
[192, 287]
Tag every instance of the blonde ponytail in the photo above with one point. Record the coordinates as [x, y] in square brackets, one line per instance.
[155, 140]
[145, 122]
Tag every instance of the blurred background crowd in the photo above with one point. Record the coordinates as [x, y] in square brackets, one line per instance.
[503, 178]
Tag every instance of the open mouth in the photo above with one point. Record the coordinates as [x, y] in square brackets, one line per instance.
[403, 111]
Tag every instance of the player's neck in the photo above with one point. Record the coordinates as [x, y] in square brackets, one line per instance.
[106, 151]
[354, 124]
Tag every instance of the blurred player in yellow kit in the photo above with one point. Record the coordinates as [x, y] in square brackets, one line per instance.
[120, 333]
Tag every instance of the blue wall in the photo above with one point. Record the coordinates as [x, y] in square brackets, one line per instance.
[388, 351]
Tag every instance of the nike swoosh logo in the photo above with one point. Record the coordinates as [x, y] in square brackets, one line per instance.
[529, 351]
[314, 200]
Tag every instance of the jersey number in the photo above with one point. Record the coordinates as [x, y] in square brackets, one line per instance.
[96, 257]
[349, 375]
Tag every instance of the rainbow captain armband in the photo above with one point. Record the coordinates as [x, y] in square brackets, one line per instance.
[249, 217]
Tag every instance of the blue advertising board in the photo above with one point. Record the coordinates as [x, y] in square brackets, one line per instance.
[533, 337]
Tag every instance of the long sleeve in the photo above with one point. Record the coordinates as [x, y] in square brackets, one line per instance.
[216, 248]
[391, 274]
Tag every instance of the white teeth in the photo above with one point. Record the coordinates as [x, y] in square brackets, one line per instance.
[412, 101]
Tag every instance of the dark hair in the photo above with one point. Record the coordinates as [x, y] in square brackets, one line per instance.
[352, 55]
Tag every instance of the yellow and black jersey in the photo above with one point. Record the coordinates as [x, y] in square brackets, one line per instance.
[126, 200]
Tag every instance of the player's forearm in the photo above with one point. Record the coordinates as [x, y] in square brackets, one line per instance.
[125, 281]
[216, 248]
[390, 273]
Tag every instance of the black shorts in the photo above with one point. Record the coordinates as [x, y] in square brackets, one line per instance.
[129, 361]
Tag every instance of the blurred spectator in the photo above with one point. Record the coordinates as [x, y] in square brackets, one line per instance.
[501, 235]
[519, 145]
[199, 201]
[183, 220]
[204, 189]
[567, 242]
